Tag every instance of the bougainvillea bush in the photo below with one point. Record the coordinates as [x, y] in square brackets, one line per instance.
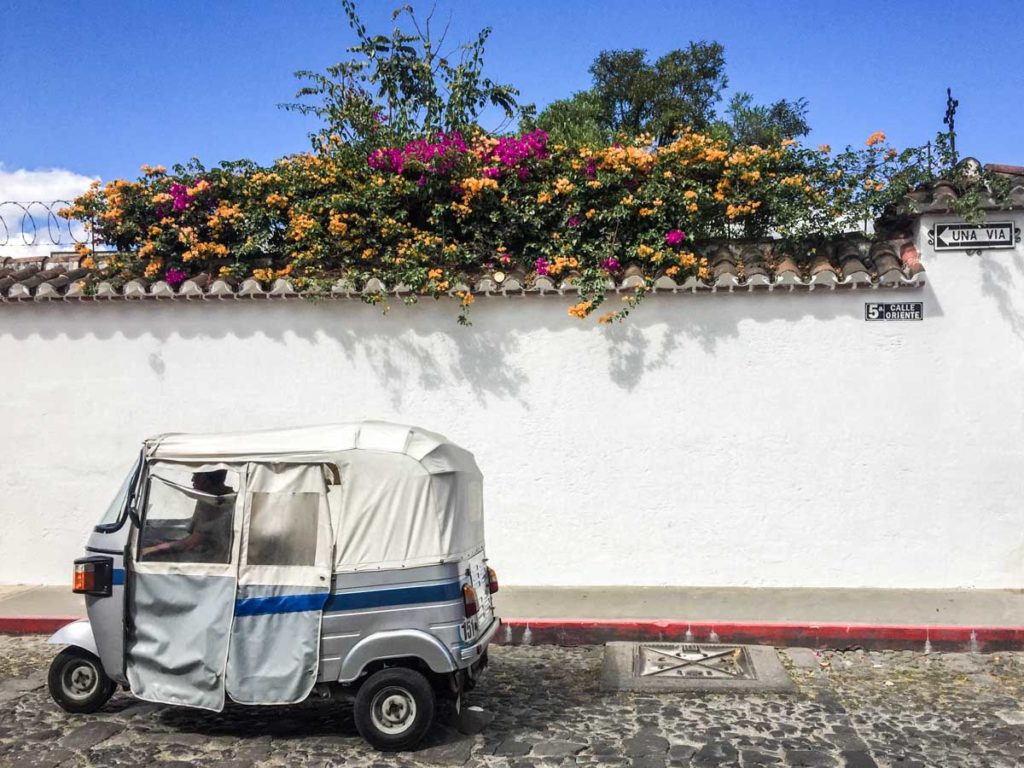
[403, 185]
[441, 211]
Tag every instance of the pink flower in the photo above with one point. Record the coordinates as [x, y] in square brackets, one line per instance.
[542, 266]
[175, 276]
[491, 172]
[436, 156]
[511, 151]
[674, 237]
[611, 264]
[180, 194]
[574, 221]
[386, 160]
[504, 258]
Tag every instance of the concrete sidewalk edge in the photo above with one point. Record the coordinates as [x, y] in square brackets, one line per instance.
[33, 625]
[917, 637]
[571, 632]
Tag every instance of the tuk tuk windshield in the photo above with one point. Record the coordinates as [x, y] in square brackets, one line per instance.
[114, 515]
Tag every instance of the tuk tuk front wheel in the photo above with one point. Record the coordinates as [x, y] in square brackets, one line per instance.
[394, 709]
[77, 681]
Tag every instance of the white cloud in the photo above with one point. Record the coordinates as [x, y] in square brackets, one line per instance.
[31, 186]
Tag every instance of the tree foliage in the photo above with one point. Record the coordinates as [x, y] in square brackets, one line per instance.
[405, 84]
[576, 121]
[632, 96]
[752, 123]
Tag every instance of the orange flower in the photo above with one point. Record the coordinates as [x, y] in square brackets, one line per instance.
[337, 225]
[581, 310]
[875, 138]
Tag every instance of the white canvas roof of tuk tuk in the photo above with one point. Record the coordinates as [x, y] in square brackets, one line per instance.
[407, 496]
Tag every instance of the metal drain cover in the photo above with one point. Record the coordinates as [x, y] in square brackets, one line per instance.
[724, 662]
[693, 667]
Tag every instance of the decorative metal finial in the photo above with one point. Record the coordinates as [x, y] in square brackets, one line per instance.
[951, 105]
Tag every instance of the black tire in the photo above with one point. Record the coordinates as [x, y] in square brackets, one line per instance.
[77, 681]
[394, 709]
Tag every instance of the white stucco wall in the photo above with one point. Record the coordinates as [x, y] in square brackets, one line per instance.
[748, 439]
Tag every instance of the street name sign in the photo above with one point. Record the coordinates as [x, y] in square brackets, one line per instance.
[910, 310]
[960, 236]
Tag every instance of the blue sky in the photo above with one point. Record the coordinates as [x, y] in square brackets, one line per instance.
[97, 88]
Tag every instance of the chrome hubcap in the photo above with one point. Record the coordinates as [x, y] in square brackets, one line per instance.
[79, 680]
[393, 710]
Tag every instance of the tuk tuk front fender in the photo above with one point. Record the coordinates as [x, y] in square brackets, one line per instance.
[77, 633]
[402, 643]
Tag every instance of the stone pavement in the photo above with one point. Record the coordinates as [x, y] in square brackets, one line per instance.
[852, 708]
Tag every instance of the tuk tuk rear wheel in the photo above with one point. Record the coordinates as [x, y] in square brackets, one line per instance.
[77, 681]
[394, 709]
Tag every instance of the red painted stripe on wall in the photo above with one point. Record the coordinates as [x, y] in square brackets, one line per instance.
[519, 631]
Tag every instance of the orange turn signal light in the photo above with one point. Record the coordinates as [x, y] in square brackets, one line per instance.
[469, 598]
[85, 578]
[94, 576]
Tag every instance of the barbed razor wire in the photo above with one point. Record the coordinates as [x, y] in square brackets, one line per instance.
[37, 223]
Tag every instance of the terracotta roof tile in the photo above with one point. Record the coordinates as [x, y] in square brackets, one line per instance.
[849, 263]
[938, 195]
[1006, 170]
[756, 270]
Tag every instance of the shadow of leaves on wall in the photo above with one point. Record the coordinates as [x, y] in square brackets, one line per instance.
[999, 279]
[408, 359]
[515, 346]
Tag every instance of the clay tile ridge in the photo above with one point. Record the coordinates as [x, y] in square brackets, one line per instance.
[23, 282]
[1005, 170]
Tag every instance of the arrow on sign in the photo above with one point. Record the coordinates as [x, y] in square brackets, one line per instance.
[971, 236]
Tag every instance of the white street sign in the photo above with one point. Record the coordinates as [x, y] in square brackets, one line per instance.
[959, 236]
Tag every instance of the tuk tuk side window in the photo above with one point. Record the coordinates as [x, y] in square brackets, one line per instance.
[283, 528]
[188, 515]
[116, 512]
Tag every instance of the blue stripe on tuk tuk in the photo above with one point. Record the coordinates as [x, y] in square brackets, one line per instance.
[261, 606]
[380, 598]
[348, 601]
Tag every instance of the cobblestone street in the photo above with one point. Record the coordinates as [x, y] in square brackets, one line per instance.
[853, 709]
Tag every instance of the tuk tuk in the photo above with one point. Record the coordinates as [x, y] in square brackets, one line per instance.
[263, 566]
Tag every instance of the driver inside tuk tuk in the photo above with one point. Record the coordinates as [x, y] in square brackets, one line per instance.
[209, 538]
